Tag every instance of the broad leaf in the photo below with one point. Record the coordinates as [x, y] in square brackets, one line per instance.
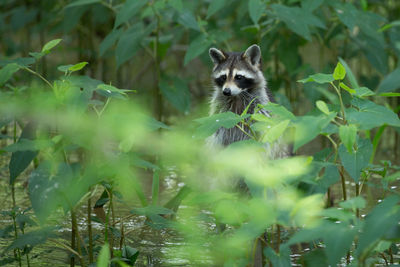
[128, 10]
[196, 48]
[308, 127]
[77, 66]
[7, 72]
[256, 9]
[215, 6]
[211, 124]
[32, 238]
[338, 239]
[110, 40]
[104, 256]
[355, 162]
[391, 82]
[297, 19]
[349, 74]
[370, 115]
[188, 20]
[380, 220]
[353, 203]
[321, 105]
[20, 160]
[177, 93]
[363, 92]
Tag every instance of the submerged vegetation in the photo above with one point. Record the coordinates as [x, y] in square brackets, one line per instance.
[103, 117]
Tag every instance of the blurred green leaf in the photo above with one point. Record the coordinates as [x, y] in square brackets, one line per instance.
[188, 20]
[390, 94]
[311, 5]
[32, 238]
[276, 131]
[130, 253]
[353, 203]
[340, 72]
[381, 219]
[391, 82]
[355, 162]
[176, 4]
[348, 135]
[318, 78]
[211, 124]
[82, 3]
[177, 93]
[104, 256]
[256, 9]
[196, 48]
[20, 160]
[50, 45]
[316, 257]
[128, 10]
[308, 127]
[279, 111]
[297, 19]
[110, 40]
[338, 239]
[215, 6]
[281, 259]
[348, 89]
[370, 115]
[321, 105]
[363, 91]
[28, 145]
[64, 68]
[7, 72]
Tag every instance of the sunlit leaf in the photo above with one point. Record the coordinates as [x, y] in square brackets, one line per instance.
[321, 105]
[340, 72]
[77, 66]
[348, 135]
[104, 256]
[50, 45]
[349, 74]
[211, 124]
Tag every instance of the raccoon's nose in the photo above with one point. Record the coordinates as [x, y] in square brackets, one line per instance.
[227, 91]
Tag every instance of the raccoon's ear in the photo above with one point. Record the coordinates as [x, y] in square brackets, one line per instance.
[217, 56]
[253, 55]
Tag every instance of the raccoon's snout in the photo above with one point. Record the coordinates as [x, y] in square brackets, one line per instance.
[227, 91]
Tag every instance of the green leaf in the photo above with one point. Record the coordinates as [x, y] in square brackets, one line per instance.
[316, 257]
[355, 162]
[348, 89]
[28, 145]
[211, 124]
[281, 259]
[348, 135]
[390, 25]
[308, 127]
[256, 9]
[279, 111]
[110, 40]
[391, 82]
[104, 256]
[363, 91]
[111, 91]
[380, 220]
[128, 10]
[321, 105]
[275, 131]
[215, 6]
[77, 66]
[130, 41]
[353, 203]
[20, 160]
[7, 72]
[350, 76]
[187, 20]
[311, 5]
[64, 68]
[318, 78]
[196, 48]
[338, 240]
[131, 254]
[32, 238]
[177, 93]
[176, 4]
[340, 72]
[174, 203]
[152, 210]
[82, 3]
[50, 45]
[297, 19]
[370, 115]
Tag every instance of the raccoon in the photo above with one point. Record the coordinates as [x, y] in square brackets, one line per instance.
[238, 81]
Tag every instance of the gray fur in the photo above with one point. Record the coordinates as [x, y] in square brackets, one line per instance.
[248, 62]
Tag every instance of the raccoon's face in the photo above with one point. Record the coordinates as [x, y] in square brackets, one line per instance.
[237, 72]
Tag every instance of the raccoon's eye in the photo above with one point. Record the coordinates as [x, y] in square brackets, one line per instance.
[222, 77]
[239, 77]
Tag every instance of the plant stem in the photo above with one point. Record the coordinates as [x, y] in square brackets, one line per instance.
[73, 235]
[90, 233]
[341, 101]
[278, 237]
[158, 105]
[357, 194]
[76, 236]
[40, 76]
[343, 183]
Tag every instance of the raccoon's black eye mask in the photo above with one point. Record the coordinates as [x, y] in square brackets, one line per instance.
[220, 80]
[244, 83]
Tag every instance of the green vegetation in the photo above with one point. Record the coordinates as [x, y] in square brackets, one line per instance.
[88, 168]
